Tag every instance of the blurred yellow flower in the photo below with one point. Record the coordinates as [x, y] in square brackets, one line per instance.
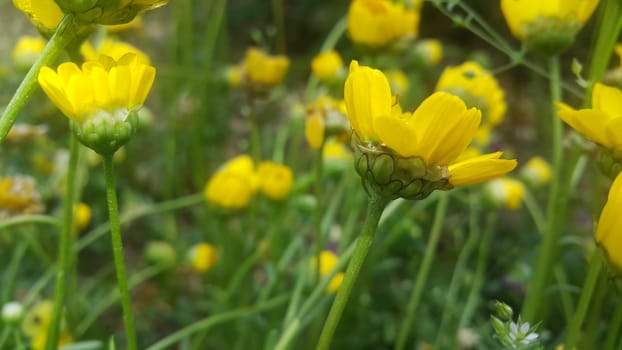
[27, 50]
[436, 134]
[44, 14]
[380, 22]
[264, 69]
[506, 192]
[398, 81]
[477, 88]
[102, 98]
[233, 75]
[603, 122]
[161, 253]
[203, 256]
[547, 26]
[327, 65]
[430, 51]
[275, 180]
[233, 185]
[314, 130]
[81, 216]
[113, 48]
[18, 196]
[609, 232]
[328, 261]
[36, 323]
[537, 171]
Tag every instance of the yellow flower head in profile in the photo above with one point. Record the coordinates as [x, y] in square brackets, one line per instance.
[27, 50]
[377, 23]
[263, 69]
[101, 98]
[537, 171]
[412, 154]
[203, 257]
[36, 323]
[112, 48]
[233, 185]
[328, 261]
[547, 26]
[477, 88]
[602, 124]
[44, 14]
[506, 192]
[275, 180]
[327, 65]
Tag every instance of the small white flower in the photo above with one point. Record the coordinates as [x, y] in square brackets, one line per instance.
[12, 312]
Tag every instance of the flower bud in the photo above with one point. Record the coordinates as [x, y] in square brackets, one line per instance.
[503, 310]
[160, 253]
[203, 257]
[106, 132]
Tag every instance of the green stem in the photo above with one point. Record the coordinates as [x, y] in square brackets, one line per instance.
[29, 219]
[374, 211]
[424, 269]
[547, 253]
[117, 249]
[596, 264]
[64, 245]
[62, 36]
[319, 237]
[206, 323]
[613, 329]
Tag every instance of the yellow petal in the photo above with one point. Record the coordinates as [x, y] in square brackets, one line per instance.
[479, 169]
[609, 232]
[53, 87]
[589, 122]
[367, 96]
[613, 133]
[398, 133]
[436, 118]
[607, 99]
[314, 130]
[518, 12]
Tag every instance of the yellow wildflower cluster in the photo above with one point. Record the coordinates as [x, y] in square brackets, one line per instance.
[18, 196]
[377, 23]
[409, 155]
[328, 261]
[237, 181]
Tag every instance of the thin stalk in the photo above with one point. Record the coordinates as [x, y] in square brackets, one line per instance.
[29, 219]
[596, 264]
[64, 33]
[64, 246]
[374, 211]
[207, 323]
[424, 269]
[613, 330]
[117, 249]
[547, 253]
[319, 237]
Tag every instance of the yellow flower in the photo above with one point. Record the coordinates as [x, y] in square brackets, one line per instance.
[430, 50]
[81, 216]
[233, 75]
[27, 50]
[603, 122]
[102, 98]
[113, 48]
[506, 191]
[18, 196]
[537, 171]
[547, 26]
[233, 186]
[264, 69]
[477, 88]
[314, 130]
[44, 14]
[36, 323]
[275, 180]
[326, 65]
[430, 139]
[328, 261]
[380, 22]
[203, 257]
[609, 232]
